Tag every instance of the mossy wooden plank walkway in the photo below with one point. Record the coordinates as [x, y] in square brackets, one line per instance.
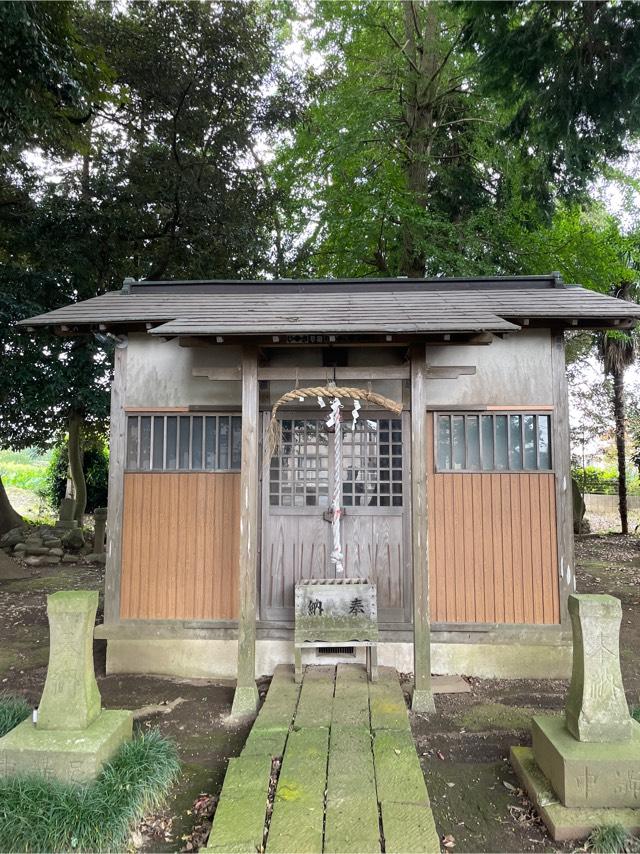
[350, 778]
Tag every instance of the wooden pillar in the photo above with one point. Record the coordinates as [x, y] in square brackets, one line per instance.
[561, 459]
[422, 693]
[117, 451]
[245, 701]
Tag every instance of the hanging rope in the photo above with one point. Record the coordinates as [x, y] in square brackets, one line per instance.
[335, 421]
[274, 431]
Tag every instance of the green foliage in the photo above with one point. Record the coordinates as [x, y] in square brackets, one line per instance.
[22, 475]
[96, 470]
[48, 76]
[13, 710]
[566, 74]
[43, 815]
[635, 714]
[611, 839]
[604, 481]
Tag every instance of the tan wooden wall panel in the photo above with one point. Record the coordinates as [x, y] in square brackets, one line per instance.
[180, 545]
[492, 548]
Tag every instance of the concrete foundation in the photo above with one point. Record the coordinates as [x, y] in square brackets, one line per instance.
[565, 823]
[211, 658]
[75, 756]
[587, 774]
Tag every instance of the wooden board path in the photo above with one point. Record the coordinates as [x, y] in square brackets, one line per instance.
[350, 779]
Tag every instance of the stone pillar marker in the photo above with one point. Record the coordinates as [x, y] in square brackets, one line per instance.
[73, 736]
[597, 709]
[100, 522]
[70, 699]
[66, 513]
[583, 769]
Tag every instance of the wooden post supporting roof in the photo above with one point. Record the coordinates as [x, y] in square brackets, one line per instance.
[245, 700]
[117, 449]
[561, 460]
[422, 694]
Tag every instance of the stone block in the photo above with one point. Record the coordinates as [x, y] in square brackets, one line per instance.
[70, 699]
[409, 828]
[398, 773]
[296, 828]
[52, 542]
[33, 561]
[596, 709]
[69, 559]
[352, 826]
[587, 774]
[36, 550]
[20, 547]
[67, 755]
[238, 826]
[265, 742]
[56, 552]
[13, 537]
[248, 776]
[565, 823]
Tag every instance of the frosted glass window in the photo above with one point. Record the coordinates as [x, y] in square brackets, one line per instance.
[487, 441]
[457, 442]
[529, 431]
[444, 442]
[513, 441]
[544, 446]
[501, 459]
[183, 443]
[473, 443]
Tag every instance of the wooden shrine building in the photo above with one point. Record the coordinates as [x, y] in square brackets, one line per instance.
[457, 504]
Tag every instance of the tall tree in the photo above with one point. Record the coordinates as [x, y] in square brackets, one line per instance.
[617, 351]
[164, 187]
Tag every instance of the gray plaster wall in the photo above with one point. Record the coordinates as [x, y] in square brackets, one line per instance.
[159, 373]
[510, 371]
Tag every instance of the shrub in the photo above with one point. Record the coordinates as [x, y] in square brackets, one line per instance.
[611, 839]
[96, 472]
[45, 815]
[13, 710]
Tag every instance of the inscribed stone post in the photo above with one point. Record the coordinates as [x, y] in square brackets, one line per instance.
[73, 737]
[596, 705]
[100, 521]
[70, 699]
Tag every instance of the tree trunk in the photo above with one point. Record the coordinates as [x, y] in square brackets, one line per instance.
[618, 412]
[8, 517]
[75, 465]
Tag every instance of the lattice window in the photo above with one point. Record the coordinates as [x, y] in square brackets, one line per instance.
[183, 442]
[372, 464]
[511, 441]
[299, 473]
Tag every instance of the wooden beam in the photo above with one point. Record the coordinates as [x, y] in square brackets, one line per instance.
[449, 372]
[390, 372]
[245, 700]
[422, 694]
[117, 456]
[233, 373]
[562, 466]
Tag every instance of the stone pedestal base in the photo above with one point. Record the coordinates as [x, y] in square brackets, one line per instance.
[66, 755]
[587, 774]
[565, 823]
[245, 701]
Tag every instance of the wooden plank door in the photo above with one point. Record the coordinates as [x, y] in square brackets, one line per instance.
[296, 530]
[375, 496]
[295, 497]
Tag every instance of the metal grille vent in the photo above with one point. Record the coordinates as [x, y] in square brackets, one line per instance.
[336, 650]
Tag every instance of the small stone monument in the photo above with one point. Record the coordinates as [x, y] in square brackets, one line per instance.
[73, 737]
[66, 514]
[100, 523]
[584, 768]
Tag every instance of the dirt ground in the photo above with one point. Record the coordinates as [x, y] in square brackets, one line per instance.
[475, 797]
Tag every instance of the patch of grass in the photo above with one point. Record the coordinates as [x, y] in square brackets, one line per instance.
[611, 839]
[43, 815]
[13, 710]
[495, 716]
